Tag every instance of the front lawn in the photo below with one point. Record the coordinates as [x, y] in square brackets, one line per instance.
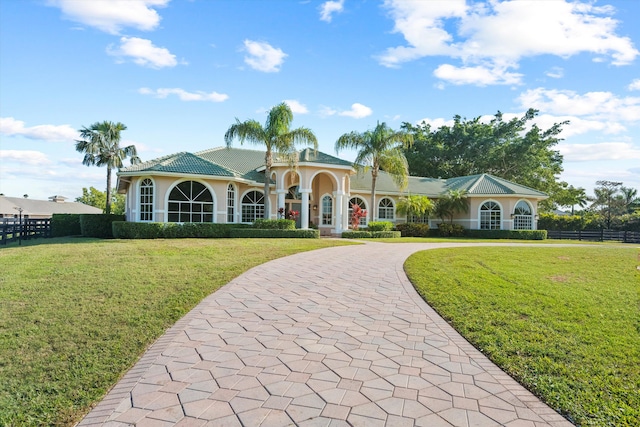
[564, 322]
[75, 314]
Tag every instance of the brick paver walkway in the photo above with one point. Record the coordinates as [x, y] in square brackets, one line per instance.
[333, 337]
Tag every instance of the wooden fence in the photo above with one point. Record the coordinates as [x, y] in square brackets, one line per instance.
[11, 229]
[596, 235]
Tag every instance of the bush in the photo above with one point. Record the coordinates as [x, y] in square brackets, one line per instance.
[507, 234]
[172, 230]
[450, 230]
[413, 229]
[98, 225]
[380, 226]
[357, 234]
[266, 233]
[65, 225]
[274, 224]
[551, 221]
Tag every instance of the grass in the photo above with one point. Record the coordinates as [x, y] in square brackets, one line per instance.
[563, 321]
[75, 314]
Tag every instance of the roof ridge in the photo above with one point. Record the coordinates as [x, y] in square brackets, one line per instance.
[514, 183]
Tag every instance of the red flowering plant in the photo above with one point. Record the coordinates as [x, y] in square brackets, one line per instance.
[293, 215]
[356, 213]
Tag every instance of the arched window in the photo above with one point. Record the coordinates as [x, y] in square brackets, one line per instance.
[190, 201]
[252, 206]
[327, 210]
[358, 201]
[146, 200]
[231, 203]
[523, 216]
[490, 216]
[386, 210]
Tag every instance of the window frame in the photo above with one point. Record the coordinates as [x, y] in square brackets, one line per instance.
[146, 208]
[494, 220]
[364, 221]
[523, 221]
[231, 203]
[197, 208]
[257, 212]
[391, 208]
[323, 210]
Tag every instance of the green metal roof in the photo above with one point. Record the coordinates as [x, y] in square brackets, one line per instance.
[246, 164]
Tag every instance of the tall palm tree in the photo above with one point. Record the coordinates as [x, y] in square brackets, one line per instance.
[631, 198]
[278, 138]
[101, 147]
[379, 149]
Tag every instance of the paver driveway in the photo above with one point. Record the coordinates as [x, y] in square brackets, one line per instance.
[333, 337]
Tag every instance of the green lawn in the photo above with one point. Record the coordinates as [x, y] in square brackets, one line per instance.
[564, 322]
[75, 314]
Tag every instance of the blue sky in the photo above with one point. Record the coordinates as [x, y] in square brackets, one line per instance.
[178, 73]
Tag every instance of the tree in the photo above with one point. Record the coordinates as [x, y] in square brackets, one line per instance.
[607, 201]
[631, 199]
[453, 201]
[568, 195]
[515, 150]
[277, 137]
[96, 198]
[414, 205]
[101, 145]
[379, 149]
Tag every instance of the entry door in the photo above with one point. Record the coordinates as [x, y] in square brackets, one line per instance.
[297, 207]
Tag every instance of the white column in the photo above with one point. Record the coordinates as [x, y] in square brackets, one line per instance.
[339, 211]
[281, 194]
[304, 214]
[345, 212]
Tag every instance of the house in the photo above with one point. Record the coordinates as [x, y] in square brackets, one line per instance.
[225, 185]
[13, 207]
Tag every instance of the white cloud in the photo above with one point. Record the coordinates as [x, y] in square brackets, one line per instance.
[328, 111]
[500, 33]
[328, 8]
[113, 15]
[143, 52]
[262, 56]
[555, 73]
[183, 95]
[593, 105]
[435, 123]
[31, 158]
[296, 106]
[479, 75]
[634, 85]
[10, 126]
[601, 151]
[358, 111]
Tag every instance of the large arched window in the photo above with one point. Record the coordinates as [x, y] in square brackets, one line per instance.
[231, 203]
[146, 200]
[386, 210]
[360, 202]
[490, 216]
[252, 206]
[327, 210]
[523, 216]
[190, 201]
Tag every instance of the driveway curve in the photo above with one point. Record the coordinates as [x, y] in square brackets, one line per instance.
[332, 337]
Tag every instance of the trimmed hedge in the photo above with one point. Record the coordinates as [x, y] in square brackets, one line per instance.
[507, 234]
[450, 230]
[262, 233]
[98, 225]
[275, 224]
[414, 229]
[172, 230]
[380, 226]
[63, 225]
[370, 234]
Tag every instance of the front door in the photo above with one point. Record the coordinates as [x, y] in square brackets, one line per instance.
[294, 206]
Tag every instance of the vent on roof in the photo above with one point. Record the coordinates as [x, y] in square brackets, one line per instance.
[57, 199]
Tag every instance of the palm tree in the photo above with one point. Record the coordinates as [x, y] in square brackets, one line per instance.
[379, 149]
[452, 202]
[631, 198]
[276, 136]
[414, 205]
[101, 145]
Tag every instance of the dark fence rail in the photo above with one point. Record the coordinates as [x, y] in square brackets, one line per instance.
[12, 229]
[596, 235]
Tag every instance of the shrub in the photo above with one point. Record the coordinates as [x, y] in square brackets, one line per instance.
[450, 230]
[172, 230]
[65, 225]
[98, 225]
[551, 221]
[413, 229]
[357, 234]
[380, 226]
[275, 224]
[274, 233]
[508, 234]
